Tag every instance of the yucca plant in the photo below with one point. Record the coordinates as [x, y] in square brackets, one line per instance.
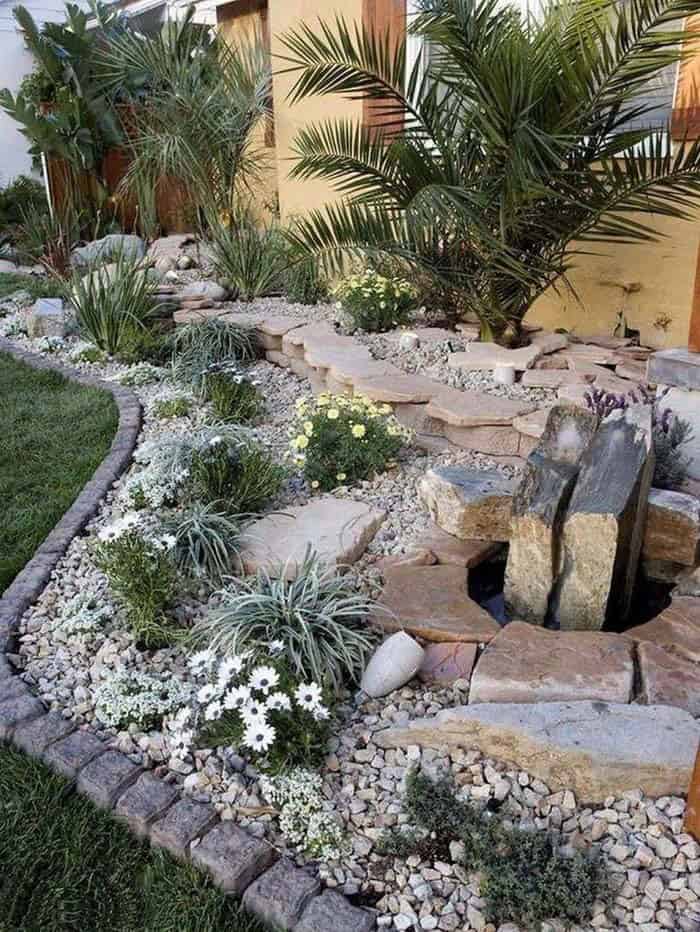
[318, 616]
[249, 255]
[207, 542]
[512, 138]
[200, 345]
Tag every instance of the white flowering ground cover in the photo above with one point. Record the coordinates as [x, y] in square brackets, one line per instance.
[80, 656]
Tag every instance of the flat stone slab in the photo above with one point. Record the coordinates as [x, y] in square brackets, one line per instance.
[676, 629]
[445, 663]
[145, 802]
[553, 378]
[278, 326]
[688, 584]
[533, 424]
[596, 749]
[548, 342]
[451, 551]
[475, 409]
[181, 824]
[526, 663]
[338, 530]
[471, 504]
[397, 389]
[281, 894]
[489, 355]
[331, 912]
[232, 857]
[666, 679]
[672, 531]
[678, 367]
[432, 602]
[105, 778]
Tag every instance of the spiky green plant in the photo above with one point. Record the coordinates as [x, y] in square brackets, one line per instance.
[249, 255]
[207, 542]
[512, 139]
[319, 617]
[199, 346]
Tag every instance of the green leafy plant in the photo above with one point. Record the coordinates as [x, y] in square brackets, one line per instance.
[671, 434]
[112, 302]
[86, 352]
[232, 395]
[19, 196]
[374, 302]
[319, 619]
[151, 344]
[239, 476]
[248, 256]
[510, 145]
[206, 542]
[304, 283]
[339, 440]
[166, 408]
[48, 239]
[196, 347]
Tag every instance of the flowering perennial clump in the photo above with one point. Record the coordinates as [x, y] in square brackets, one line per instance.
[375, 303]
[261, 709]
[143, 373]
[341, 440]
[304, 819]
[130, 697]
[232, 394]
[82, 618]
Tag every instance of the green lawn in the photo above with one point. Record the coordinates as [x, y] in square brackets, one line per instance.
[37, 286]
[67, 866]
[53, 435]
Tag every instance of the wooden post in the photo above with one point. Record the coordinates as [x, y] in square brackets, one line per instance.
[692, 814]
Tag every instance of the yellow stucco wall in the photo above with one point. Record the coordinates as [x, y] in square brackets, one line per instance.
[650, 282]
[298, 197]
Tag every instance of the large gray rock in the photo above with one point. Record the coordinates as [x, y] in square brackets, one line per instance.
[539, 505]
[107, 248]
[471, 504]
[678, 367]
[604, 524]
[672, 530]
[47, 319]
[596, 749]
[205, 291]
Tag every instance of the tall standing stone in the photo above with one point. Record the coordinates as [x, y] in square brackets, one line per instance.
[539, 505]
[604, 524]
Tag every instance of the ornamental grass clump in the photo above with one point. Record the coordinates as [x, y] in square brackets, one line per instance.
[206, 542]
[375, 303]
[232, 394]
[199, 346]
[318, 617]
[340, 440]
[239, 476]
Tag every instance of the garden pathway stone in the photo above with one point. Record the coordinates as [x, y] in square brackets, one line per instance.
[677, 629]
[338, 530]
[451, 550]
[181, 824]
[672, 531]
[14, 711]
[445, 663]
[475, 409]
[397, 389]
[481, 356]
[553, 378]
[666, 679]
[432, 602]
[526, 663]
[35, 736]
[232, 857]
[144, 802]
[281, 894]
[471, 504]
[69, 755]
[331, 912]
[597, 749]
[105, 778]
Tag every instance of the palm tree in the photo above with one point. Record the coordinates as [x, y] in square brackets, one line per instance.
[505, 150]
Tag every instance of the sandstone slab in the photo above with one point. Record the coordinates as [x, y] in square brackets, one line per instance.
[471, 504]
[548, 342]
[337, 530]
[553, 378]
[480, 356]
[676, 629]
[596, 749]
[453, 551]
[667, 679]
[525, 663]
[688, 584]
[398, 388]
[492, 441]
[672, 530]
[475, 409]
[445, 663]
[432, 602]
[533, 424]
[678, 367]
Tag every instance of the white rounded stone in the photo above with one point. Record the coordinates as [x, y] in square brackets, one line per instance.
[393, 664]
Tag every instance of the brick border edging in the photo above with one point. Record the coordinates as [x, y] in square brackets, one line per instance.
[272, 888]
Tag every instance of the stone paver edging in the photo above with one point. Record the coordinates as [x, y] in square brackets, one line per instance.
[239, 863]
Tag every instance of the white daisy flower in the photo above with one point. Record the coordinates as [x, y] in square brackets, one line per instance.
[264, 679]
[259, 736]
[206, 693]
[201, 662]
[254, 712]
[278, 702]
[321, 713]
[229, 666]
[237, 697]
[213, 711]
[309, 696]
[276, 647]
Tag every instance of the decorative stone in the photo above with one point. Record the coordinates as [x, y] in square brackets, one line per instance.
[548, 342]
[688, 584]
[47, 319]
[471, 504]
[181, 824]
[418, 556]
[105, 778]
[677, 629]
[596, 749]
[393, 389]
[672, 530]
[169, 245]
[491, 441]
[34, 736]
[480, 356]
[145, 802]
[338, 530]
[524, 663]
[451, 551]
[408, 341]
[677, 367]
[13, 688]
[475, 409]
[280, 895]
[232, 857]
[445, 663]
[666, 679]
[205, 290]
[331, 912]
[432, 602]
[533, 424]
[553, 378]
[14, 711]
[538, 508]
[604, 524]
[107, 248]
[393, 664]
[69, 755]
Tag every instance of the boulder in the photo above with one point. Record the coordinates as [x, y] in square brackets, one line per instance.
[336, 529]
[679, 367]
[47, 318]
[471, 504]
[108, 248]
[480, 356]
[677, 629]
[604, 523]
[452, 551]
[667, 679]
[596, 749]
[170, 245]
[548, 342]
[672, 530]
[539, 504]
[432, 602]
[392, 665]
[444, 664]
[524, 663]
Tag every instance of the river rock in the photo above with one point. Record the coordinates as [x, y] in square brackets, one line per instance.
[524, 663]
[672, 530]
[392, 665]
[471, 504]
[597, 749]
[604, 524]
[667, 679]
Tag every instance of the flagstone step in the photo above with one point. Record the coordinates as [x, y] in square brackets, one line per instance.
[475, 409]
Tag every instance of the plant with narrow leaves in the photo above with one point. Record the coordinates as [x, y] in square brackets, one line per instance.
[206, 542]
[196, 347]
[232, 394]
[249, 256]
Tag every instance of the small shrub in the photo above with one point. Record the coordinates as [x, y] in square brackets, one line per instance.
[20, 195]
[317, 617]
[671, 434]
[143, 373]
[112, 302]
[206, 542]
[239, 475]
[198, 347]
[151, 344]
[303, 282]
[232, 395]
[304, 820]
[375, 303]
[141, 573]
[86, 352]
[341, 440]
[167, 408]
[129, 697]
[48, 240]
[249, 257]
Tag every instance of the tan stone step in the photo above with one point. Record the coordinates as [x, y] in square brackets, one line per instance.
[480, 356]
[475, 409]
[676, 629]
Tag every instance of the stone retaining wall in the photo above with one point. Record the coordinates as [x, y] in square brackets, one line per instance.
[272, 888]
